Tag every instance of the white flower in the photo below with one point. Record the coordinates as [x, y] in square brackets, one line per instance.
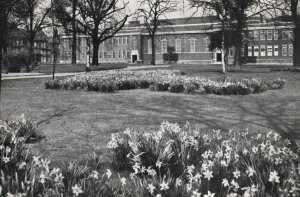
[191, 169]
[231, 195]
[188, 187]
[108, 173]
[207, 174]
[22, 165]
[158, 164]
[164, 186]
[254, 149]
[178, 182]
[151, 188]
[6, 159]
[196, 194]
[236, 174]
[158, 195]
[209, 194]
[8, 149]
[225, 183]
[223, 163]
[274, 177]
[123, 181]
[127, 131]
[77, 190]
[250, 171]
[235, 185]
[94, 175]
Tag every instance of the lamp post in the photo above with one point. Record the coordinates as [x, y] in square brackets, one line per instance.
[55, 44]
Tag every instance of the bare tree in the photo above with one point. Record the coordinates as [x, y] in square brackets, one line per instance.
[33, 14]
[65, 12]
[101, 20]
[153, 13]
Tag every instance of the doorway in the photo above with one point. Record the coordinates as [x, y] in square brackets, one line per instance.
[219, 57]
[134, 58]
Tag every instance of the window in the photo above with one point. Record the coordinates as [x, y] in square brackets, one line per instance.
[105, 54]
[275, 34]
[149, 46]
[120, 40]
[128, 54]
[126, 40]
[291, 35]
[193, 45]
[262, 35]
[114, 54]
[291, 48]
[134, 42]
[284, 50]
[269, 34]
[206, 43]
[109, 54]
[243, 52]
[256, 50]
[164, 45]
[269, 50]
[256, 35]
[178, 45]
[100, 54]
[119, 54]
[262, 50]
[275, 50]
[124, 54]
[250, 51]
[285, 35]
[231, 52]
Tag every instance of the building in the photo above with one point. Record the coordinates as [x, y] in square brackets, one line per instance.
[18, 44]
[189, 37]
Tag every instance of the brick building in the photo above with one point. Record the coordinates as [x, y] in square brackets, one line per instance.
[264, 43]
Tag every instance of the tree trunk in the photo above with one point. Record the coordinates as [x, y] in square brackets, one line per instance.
[224, 53]
[31, 53]
[296, 50]
[95, 52]
[238, 47]
[5, 38]
[74, 44]
[153, 51]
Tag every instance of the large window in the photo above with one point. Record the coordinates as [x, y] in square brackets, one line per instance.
[134, 42]
[291, 48]
[164, 45]
[256, 35]
[206, 43]
[149, 46]
[256, 50]
[262, 35]
[269, 50]
[114, 54]
[124, 54]
[275, 34]
[269, 34]
[291, 34]
[250, 52]
[192, 45]
[284, 50]
[178, 45]
[275, 50]
[243, 52]
[262, 50]
[285, 35]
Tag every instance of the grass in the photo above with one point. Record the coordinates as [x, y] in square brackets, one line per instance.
[78, 122]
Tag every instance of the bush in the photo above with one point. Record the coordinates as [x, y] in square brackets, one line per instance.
[17, 61]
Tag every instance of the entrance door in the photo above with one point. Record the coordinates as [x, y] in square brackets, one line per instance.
[219, 57]
[134, 58]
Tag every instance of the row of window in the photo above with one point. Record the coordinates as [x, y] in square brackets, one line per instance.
[121, 40]
[178, 45]
[120, 54]
[271, 34]
[269, 50]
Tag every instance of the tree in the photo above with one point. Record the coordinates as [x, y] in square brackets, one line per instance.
[233, 16]
[33, 14]
[65, 12]
[292, 9]
[152, 13]
[221, 10]
[101, 20]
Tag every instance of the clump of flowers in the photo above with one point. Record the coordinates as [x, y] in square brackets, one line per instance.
[185, 161]
[162, 80]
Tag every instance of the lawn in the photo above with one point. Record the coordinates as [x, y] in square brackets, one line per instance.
[78, 122]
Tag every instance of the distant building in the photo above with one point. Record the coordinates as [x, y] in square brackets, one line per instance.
[265, 43]
[18, 43]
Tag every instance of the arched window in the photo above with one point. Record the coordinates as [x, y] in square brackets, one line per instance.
[178, 45]
[193, 45]
[164, 45]
[149, 46]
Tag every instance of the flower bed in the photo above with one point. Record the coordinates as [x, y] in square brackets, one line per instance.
[162, 80]
[177, 161]
[172, 162]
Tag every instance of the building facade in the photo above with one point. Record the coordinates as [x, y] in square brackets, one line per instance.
[189, 37]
